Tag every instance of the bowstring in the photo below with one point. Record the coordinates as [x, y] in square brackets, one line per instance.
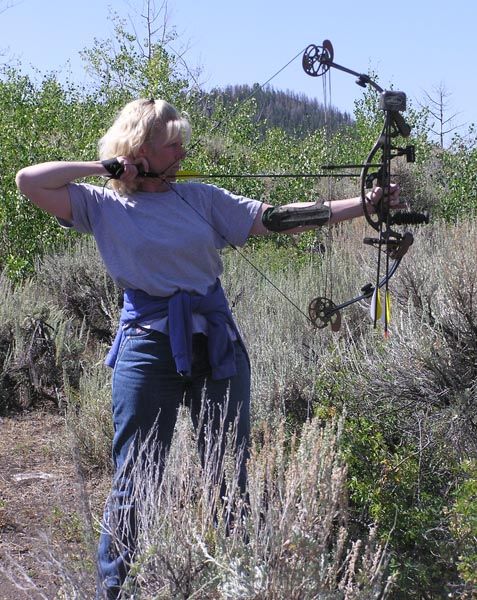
[327, 271]
[233, 246]
[239, 252]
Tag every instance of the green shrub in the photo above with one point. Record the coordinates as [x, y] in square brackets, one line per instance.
[464, 524]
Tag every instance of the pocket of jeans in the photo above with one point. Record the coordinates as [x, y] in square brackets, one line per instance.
[136, 331]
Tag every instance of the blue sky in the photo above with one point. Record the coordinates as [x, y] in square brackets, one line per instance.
[415, 45]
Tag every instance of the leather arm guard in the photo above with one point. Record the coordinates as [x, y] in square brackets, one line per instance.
[283, 218]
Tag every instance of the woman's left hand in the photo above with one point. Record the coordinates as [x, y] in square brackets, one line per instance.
[392, 198]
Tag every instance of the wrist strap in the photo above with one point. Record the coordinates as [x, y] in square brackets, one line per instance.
[113, 167]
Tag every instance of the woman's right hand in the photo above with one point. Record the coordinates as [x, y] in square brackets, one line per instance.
[132, 167]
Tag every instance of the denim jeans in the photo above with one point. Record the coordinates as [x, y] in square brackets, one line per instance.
[147, 394]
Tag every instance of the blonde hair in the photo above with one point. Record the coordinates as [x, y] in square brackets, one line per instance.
[138, 122]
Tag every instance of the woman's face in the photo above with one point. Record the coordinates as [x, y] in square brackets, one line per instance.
[163, 158]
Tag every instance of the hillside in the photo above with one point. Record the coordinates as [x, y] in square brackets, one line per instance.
[294, 113]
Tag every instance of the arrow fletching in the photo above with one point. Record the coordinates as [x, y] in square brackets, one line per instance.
[375, 308]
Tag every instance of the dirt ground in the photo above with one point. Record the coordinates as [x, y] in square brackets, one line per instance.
[44, 509]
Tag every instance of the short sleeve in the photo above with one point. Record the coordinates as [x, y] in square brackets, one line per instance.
[86, 205]
[233, 217]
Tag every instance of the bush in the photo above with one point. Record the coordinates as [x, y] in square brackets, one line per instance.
[36, 350]
[409, 401]
[291, 540]
[464, 526]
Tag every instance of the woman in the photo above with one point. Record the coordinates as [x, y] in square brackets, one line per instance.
[160, 241]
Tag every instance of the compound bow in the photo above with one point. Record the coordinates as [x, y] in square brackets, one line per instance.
[317, 60]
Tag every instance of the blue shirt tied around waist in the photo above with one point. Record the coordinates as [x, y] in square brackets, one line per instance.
[140, 306]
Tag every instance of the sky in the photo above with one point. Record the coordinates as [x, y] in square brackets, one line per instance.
[414, 46]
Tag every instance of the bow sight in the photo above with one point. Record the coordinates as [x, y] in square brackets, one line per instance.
[317, 60]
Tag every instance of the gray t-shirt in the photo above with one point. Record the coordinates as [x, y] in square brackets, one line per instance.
[163, 242]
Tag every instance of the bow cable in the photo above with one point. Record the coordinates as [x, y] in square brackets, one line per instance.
[328, 259]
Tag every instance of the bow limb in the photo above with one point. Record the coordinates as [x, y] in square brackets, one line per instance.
[317, 60]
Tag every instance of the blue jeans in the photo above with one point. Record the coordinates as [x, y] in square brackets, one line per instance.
[147, 394]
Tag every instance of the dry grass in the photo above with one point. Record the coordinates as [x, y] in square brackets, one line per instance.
[288, 540]
[42, 516]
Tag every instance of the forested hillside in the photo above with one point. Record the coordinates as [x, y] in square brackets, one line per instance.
[296, 114]
[363, 475]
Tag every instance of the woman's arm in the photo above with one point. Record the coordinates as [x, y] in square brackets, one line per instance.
[45, 184]
[340, 210]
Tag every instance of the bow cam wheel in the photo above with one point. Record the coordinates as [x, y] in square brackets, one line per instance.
[322, 312]
[316, 59]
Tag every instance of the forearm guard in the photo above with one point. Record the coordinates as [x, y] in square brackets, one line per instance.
[283, 218]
